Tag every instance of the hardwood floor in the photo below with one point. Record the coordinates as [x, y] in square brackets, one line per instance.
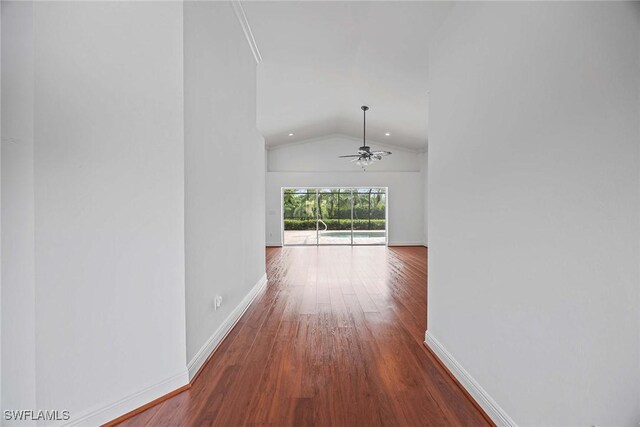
[334, 340]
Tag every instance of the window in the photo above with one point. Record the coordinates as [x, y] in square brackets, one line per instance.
[334, 216]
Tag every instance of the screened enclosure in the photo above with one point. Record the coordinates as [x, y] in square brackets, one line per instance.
[334, 216]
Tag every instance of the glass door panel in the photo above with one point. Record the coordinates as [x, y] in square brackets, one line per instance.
[300, 216]
[334, 216]
[369, 216]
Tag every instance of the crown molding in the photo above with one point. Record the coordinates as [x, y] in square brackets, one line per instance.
[246, 28]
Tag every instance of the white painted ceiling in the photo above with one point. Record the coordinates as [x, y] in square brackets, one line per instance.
[323, 60]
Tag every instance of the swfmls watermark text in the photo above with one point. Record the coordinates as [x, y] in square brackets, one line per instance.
[36, 415]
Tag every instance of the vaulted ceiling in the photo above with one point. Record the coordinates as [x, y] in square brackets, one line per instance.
[323, 60]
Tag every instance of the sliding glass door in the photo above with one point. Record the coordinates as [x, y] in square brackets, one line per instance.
[300, 216]
[369, 216]
[334, 216]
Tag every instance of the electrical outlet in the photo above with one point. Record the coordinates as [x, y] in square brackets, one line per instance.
[218, 302]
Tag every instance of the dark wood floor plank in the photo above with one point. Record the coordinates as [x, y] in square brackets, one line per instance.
[334, 340]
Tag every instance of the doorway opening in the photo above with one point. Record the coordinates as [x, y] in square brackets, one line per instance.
[334, 216]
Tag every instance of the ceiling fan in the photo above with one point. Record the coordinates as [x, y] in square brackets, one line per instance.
[365, 156]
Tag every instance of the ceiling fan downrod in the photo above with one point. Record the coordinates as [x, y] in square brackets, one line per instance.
[364, 109]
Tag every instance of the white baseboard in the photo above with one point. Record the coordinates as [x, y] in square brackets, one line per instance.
[493, 410]
[273, 244]
[406, 244]
[214, 341]
[104, 414]
[101, 415]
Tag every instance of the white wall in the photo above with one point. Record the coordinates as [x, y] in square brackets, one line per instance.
[224, 157]
[534, 206]
[18, 284]
[1, 405]
[131, 129]
[425, 196]
[316, 164]
[102, 194]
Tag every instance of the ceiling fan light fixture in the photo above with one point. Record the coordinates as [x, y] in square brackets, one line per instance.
[365, 156]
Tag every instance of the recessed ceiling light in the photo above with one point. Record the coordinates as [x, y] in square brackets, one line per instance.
[387, 134]
[290, 134]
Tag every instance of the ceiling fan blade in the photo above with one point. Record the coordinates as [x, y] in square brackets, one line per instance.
[382, 153]
[356, 160]
[353, 155]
